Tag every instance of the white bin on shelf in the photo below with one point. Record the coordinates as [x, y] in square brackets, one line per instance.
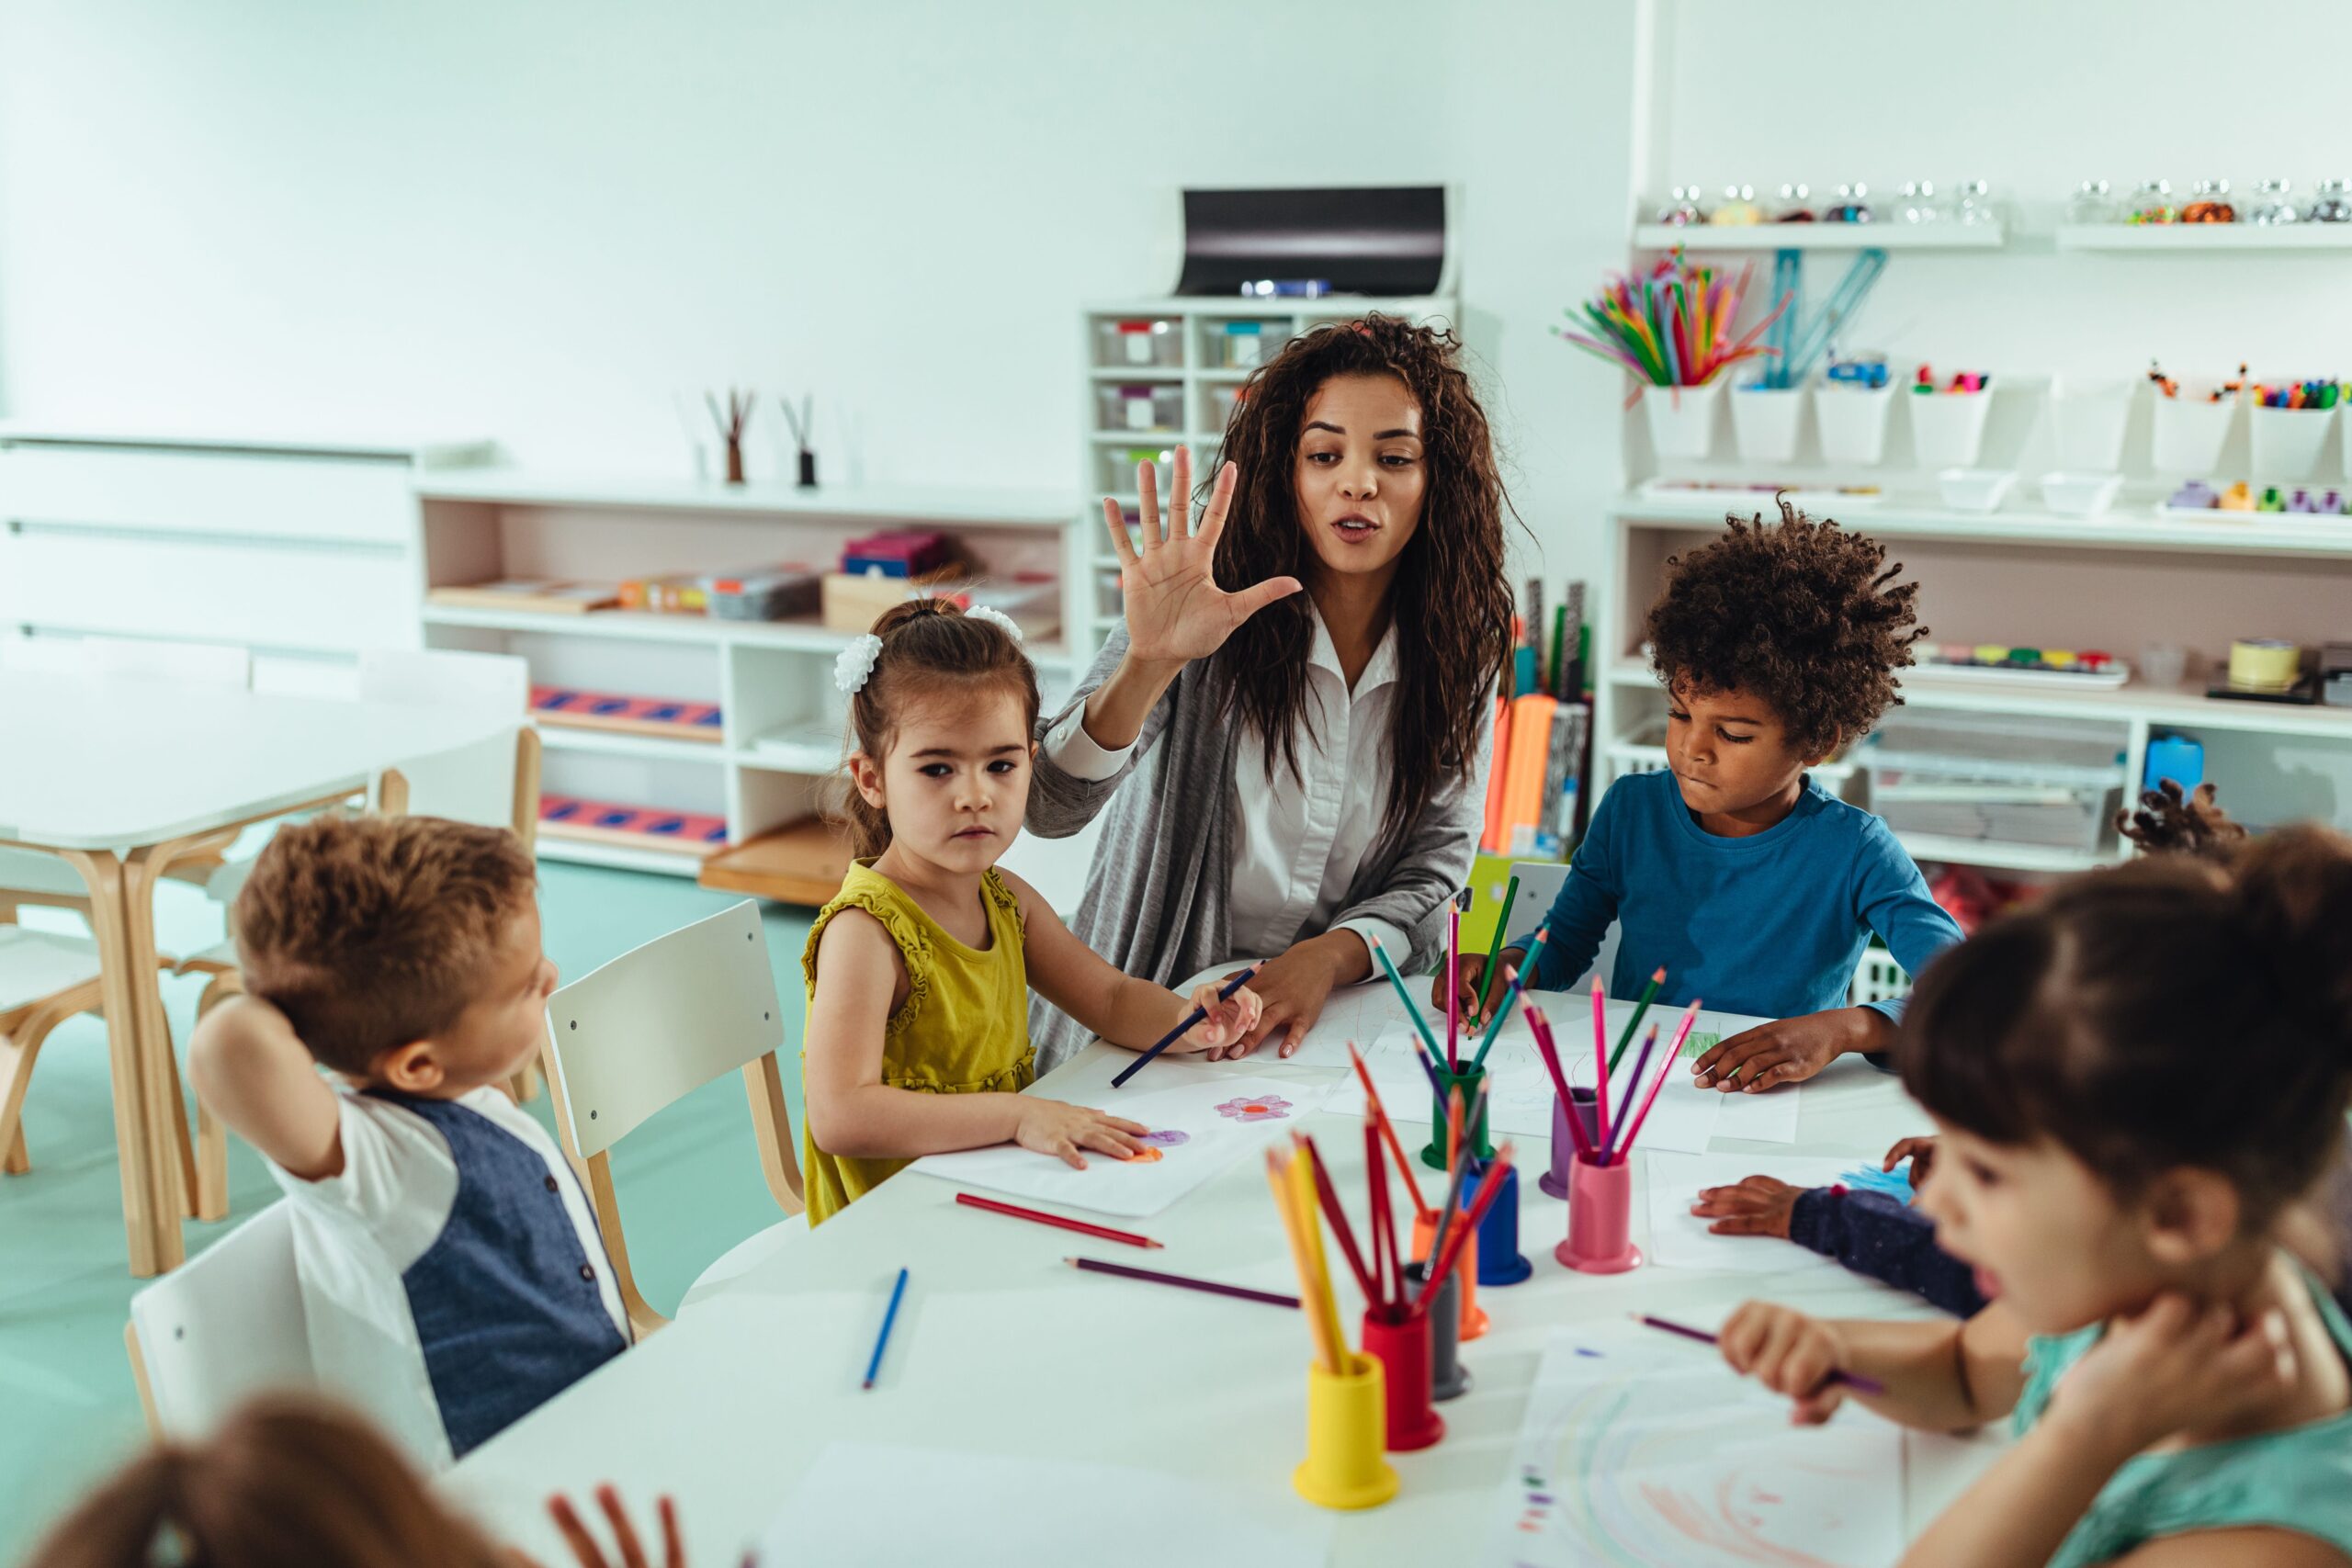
[2189, 435]
[1140, 405]
[2086, 420]
[1852, 421]
[2287, 442]
[2006, 779]
[1765, 422]
[1682, 419]
[1948, 428]
[1140, 341]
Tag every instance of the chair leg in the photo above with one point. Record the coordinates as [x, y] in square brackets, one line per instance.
[18, 1049]
[211, 1137]
[183, 1148]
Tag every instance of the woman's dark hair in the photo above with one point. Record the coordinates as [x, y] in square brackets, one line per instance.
[2175, 1012]
[930, 647]
[1450, 602]
[284, 1484]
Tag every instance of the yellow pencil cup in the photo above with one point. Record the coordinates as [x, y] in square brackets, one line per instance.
[1347, 1426]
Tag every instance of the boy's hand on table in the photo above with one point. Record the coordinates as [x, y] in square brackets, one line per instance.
[1473, 973]
[1757, 1206]
[1790, 1050]
[1291, 990]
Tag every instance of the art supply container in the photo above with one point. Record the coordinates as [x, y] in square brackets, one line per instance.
[1346, 1437]
[2287, 442]
[1500, 1261]
[1448, 1380]
[1472, 1316]
[1140, 405]
[1975, 490]
[1402, 1348]
[1765, 422]
[2188, 435]
[1852, 421]
[1554, 1182]
[1948, 428]
[2080, 495]
[2086, 419]
[1682, 419]
[1600, 1207]
[1155, 341]
[1474, 1137]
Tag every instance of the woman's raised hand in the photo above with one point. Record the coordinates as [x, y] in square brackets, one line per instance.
[1175, 611]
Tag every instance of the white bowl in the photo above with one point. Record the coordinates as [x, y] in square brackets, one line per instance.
[1975, 490]
[2080, 495]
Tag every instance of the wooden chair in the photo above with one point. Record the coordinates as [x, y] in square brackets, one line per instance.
[45, 978]
[652, 1025]
[224, 1326]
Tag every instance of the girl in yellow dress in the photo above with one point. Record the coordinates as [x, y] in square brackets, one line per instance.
[919, 969]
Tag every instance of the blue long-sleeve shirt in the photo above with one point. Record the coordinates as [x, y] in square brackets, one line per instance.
[1771, 924]
[1879, 1236]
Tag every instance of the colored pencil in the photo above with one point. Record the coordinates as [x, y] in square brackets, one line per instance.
[1366, 1280]
[1225, 994]
[1634, 1128]
[1612, 1153]
[1287, 1205]
[1326, 1302]
[1182, 1281]
[1455, 1165]
[1495, 946]
[1100, 1233]
[1430, 1070]
[1601, 1061]
[1551, 1055]
[1649, 993]
[1388, 1131]
[1854, 1380]
[1411, 1011]
[1442, 1264]
[1511, 998]
[882, 1340]
[1453, 984]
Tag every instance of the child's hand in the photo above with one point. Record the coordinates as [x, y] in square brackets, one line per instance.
[1788, 1353]
[1053, 1127]
[2176, 1366]
[1790, 1050]
[1757, 1206]
[1920, 1152]
[589, 1555]
[1226, 1031]
[1473, 973]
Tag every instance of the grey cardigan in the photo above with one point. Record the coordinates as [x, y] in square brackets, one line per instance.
[1157, 894]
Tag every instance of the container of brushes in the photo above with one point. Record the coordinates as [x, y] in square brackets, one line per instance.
[1500, 1261]
[1474, 1137]
[1472, 1316]
[1601, 1211]
[1448, 1377]
[1401, 1344]
[1553, 1182]
[1346, 1437]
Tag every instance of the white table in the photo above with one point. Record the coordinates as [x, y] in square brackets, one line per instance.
[116, 777]
[1001, 1348]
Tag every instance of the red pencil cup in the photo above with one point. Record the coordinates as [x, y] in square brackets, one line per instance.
[1472, 1137]
[1554, 1182]
[1474, 1316]
[1600, 1204]
[1402, 1348]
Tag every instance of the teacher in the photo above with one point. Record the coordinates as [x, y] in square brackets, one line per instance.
[1316, 743]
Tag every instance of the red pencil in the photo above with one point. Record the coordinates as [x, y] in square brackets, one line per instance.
[1103, 1232]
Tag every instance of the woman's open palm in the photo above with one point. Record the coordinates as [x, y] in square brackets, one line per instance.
[1176, 613]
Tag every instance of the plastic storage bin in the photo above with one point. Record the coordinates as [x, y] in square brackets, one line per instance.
[2188, 435]
[1852, 421]
[2287, 442]
[1948, 428]
[1144, 341]
[1765, 422]
[1682, 419]
[1116, 475]
[2035, 783]
[1140, 405]
[1241, 345]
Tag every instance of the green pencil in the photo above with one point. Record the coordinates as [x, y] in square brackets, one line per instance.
[1411, 1011]
[1495, 946]
[1649, 994]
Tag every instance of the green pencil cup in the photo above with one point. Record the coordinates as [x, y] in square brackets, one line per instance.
[1347, 1431]
[1467, 1080]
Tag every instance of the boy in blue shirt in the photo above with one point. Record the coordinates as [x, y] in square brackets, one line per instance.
[1747, 882]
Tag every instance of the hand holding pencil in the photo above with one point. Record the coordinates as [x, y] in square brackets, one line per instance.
[1479, 1000]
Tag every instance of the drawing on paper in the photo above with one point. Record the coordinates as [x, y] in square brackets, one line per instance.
[1256, 1108]
[1166, 1138]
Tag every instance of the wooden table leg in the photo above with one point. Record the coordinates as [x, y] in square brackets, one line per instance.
[150, 1196]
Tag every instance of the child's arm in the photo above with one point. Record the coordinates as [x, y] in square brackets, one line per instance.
[853, 1113]
[1893, 901]
[257, 1077]
[1944, 1377]
[1121, 1009]
[1872, 1233]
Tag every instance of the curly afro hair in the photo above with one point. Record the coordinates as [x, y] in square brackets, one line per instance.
[1799, 612]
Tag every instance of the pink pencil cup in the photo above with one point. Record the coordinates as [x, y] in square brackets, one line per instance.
[1402, 1348]
[1600, 1204]
[1554, 1182]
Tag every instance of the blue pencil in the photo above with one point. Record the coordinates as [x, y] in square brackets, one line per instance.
[882, 1340]
[1225, 994]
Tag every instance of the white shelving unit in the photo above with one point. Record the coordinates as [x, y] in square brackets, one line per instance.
[1185, 341]
[784, 722]
[2197, 238]
[1820, 237]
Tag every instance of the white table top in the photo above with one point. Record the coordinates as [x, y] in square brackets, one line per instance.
[1001, 1348]
[120, 763]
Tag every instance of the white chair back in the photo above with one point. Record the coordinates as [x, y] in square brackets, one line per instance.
[177, 663]
[655, 1023]
[225, 1325]
[469, 783]
[1540, 882]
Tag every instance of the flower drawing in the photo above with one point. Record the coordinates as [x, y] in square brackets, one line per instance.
[1256, 1108]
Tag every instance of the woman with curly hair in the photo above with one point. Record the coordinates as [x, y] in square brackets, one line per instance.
[1733, 870]
[1306, 680]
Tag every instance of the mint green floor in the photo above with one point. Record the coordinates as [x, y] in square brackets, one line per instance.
[689, 1182]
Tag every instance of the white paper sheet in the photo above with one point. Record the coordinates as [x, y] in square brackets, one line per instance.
[853, 1510]
[1639, 1448]
[1200, 1128]
[1680, 1239]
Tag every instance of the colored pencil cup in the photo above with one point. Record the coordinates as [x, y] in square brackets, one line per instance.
[1500, 1261]
[1474, 1137]
[1472, 1316]
[1554, 1182]
[1346, 1432]
[1448, 1378]
[1601, 1206]
[1402, 1348]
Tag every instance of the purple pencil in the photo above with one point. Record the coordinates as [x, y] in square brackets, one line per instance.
[1854, 1380]
[1616, 1151]
[1242, 1293]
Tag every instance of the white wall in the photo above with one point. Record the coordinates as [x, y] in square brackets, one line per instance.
[547, 223]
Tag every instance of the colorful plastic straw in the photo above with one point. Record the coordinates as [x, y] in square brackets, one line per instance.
[1672, 326]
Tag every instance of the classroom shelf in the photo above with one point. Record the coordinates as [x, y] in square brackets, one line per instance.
[1820, 237]
[2186, 239]
[2008, 857]
[801, 862]
[2135, 528]
[610, 743]
[645, 626]
[957, 507]
[580, 851]
[1117, 374]
[814, 747]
